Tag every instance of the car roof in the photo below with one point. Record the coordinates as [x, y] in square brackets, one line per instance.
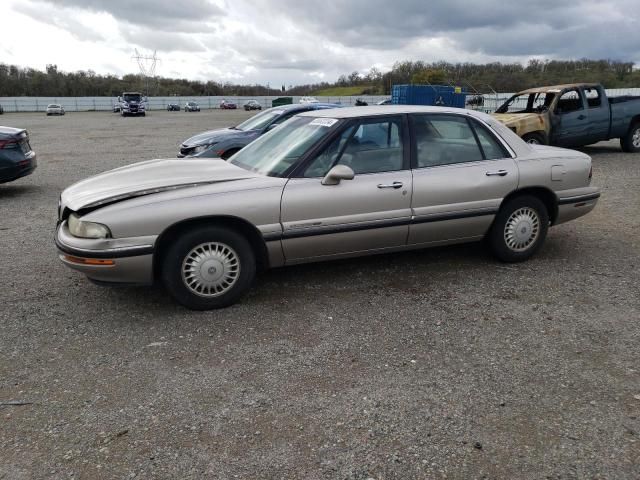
[558, 88]
[354, 112]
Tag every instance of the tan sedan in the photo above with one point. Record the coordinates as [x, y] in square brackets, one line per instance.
[326, 184]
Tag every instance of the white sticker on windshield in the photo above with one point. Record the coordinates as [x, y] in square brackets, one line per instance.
[324, 122]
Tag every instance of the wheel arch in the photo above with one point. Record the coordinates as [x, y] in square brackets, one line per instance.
[240, 225]
[544, 194]
[540, 133]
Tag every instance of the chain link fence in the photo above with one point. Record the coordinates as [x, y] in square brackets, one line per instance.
[94, 104]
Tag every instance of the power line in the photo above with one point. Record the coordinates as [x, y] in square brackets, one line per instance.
[147, 65]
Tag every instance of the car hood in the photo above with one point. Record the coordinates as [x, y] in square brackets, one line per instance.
[511, 119]
[215, 136]
[146, 178]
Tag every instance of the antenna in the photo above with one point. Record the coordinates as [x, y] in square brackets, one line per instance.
[147, 65]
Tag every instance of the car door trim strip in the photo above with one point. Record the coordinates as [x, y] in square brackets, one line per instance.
[397, 222]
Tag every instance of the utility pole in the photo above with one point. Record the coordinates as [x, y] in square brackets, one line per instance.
[147, 65]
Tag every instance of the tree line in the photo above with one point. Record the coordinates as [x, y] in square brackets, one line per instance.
[481, 78]
[16, 82]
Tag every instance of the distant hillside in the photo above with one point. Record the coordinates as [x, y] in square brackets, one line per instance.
[343, 91]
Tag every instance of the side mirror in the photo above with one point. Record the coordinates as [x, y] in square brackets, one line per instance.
[337, 173]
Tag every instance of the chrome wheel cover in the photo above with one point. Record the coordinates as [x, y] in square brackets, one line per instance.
[635, 139]
[522, 229]
[533, 141]
[211, 269]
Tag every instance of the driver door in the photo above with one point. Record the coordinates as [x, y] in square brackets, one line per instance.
[369, 213]
[572, 125]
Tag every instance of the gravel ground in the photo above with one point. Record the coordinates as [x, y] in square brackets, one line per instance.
[439, 363]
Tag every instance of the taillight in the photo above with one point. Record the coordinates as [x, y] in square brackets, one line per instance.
[8, 143]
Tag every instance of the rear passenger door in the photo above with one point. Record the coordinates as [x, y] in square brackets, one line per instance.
[461, 173]
[598, 114]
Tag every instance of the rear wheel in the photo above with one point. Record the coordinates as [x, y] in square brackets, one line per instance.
[519, 229]
[631, 141]
[534, 138]
[208, 268]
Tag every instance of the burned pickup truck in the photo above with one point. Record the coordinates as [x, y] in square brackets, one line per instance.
[572, 116]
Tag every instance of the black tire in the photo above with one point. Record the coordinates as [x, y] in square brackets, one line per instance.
[534, 138]
[532, 209]
[176, 255]
[627, 143]
[227, 155]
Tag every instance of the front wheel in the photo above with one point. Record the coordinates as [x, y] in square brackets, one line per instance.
[631, 141]
[208, 268]
[534, 138]
[519, 229]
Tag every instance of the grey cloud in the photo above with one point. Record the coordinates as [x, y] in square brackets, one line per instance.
[162, 15]
[165, 42]
[494, 27]
[52, 16]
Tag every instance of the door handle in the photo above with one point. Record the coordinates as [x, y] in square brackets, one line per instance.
[581, 117]
[390, 185]
[499, 173]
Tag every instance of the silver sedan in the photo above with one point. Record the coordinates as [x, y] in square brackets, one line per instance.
[326, 184]
[55, 109]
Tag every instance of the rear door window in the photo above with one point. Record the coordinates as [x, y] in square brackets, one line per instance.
[444, 140]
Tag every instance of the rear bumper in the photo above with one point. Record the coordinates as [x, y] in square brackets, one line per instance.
[123, 260]
[576, 203]
[19, 170]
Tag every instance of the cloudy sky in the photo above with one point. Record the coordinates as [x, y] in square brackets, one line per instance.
[297, 41]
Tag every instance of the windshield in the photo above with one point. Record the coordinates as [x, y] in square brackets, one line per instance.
[192, 104]
[131, 98]
[260, 121]
[273, 153]
[528, 103]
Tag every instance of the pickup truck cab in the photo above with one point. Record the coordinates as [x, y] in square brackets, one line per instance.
[572, 115]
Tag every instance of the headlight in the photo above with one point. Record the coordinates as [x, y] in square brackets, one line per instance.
[202, 148]
[82, 229]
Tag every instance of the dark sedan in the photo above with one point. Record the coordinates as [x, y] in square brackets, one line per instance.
[173, 107]
[252, 105]
[225, 142]
[16, 157]
[227, 105]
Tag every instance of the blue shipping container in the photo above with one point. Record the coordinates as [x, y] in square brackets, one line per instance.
[440, 95]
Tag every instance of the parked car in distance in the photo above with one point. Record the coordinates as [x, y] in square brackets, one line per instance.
[361, 103]
[308, 100]
[1, 110]
[385, 102]
[17, 159]
[326, 184]
[573, 115]
[191, 107]
[116, 108]
[228, 105]
[225, 142]
[132, 103]
[173, 107]
[55, 109]
[252, 105]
